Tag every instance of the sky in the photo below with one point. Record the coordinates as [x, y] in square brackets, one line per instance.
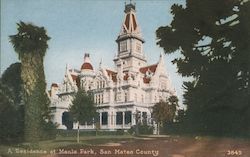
[85, 26]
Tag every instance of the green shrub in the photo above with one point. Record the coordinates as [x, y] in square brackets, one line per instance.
[143, 129]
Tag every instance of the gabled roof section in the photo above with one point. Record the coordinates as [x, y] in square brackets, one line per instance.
[76, 79]
[150, 68]
[126, 76]
[112, 74]
[144, 70]
[54, 85]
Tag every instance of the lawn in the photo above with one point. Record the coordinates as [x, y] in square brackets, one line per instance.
[67, 142]
[130, 146]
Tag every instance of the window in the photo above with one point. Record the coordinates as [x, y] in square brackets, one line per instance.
[119, 118]
[98, 99]
[144, 117]
[123, 46]
[104, 118]
[128, 117]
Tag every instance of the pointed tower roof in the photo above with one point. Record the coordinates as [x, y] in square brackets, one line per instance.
[130, 27]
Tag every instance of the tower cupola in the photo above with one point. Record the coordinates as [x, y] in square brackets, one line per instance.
[87, 63]
[130, 42]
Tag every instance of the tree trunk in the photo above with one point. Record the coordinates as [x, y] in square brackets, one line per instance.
[32, 74]
[158, 128]
[78, 136]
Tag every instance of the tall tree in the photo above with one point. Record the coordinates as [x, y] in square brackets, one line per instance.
[214, 49]
[83, 109]
[12, 109]
[9, 116]
[12, 78]
[164, 111]
[30, 43]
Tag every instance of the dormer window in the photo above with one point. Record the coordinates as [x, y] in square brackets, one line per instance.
[149, 74]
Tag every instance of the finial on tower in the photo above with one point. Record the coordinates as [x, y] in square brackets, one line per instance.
[129, 7]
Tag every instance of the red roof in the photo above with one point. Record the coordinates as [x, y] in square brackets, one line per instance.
[127, 21]
[146, 80]
[152, 68]
[134, 23]
[76, 79]
[125, 77]
[54, 85]
[87, 66]
[113, 75]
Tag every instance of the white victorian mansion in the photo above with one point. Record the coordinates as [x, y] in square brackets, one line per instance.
[131, 87]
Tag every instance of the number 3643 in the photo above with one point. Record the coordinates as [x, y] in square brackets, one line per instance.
[234, 152]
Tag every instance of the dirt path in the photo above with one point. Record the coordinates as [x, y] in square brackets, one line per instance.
[168, 147]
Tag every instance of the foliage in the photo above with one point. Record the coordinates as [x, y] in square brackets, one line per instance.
[30, 43]
[49, 130]
[143, 129]
[12, 78]
[213, 45]
[11, 116]
[164, 111]
[120, 132]
[83, 108]
[67, 120]
[30, 39]
[12, 109]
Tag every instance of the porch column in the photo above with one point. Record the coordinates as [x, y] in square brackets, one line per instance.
[93, 124]
[100, 119]
[133, 119]
[109, 119]
[86, 125]
[123, 119]
[114, 122]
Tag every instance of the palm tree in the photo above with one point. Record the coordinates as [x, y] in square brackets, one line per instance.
[30, 43]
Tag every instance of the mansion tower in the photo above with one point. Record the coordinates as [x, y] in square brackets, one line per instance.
[133, 87]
